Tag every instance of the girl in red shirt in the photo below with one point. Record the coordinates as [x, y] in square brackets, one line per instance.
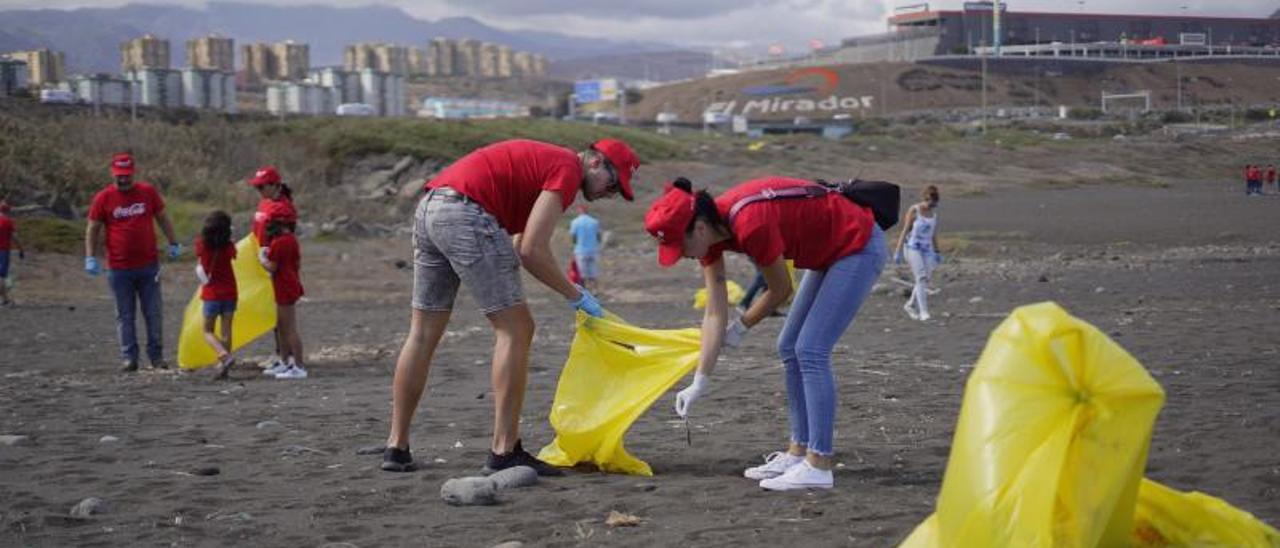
[216, 251]
[842, 248]
[283, 258]
[275, 199]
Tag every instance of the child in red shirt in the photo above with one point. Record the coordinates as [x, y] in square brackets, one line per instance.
[216, 251]
[8, 241]
[283, 258]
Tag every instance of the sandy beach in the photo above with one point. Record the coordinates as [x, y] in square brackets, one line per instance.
[1186, 278]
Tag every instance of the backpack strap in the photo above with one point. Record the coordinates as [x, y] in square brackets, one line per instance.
[803, 191]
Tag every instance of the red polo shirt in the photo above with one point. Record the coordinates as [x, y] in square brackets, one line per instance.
[506, 178]
[813, 232]
[130, 221]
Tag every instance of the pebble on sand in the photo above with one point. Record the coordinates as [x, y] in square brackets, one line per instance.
[619, 519]
[268, 424]
[88, 507]
[11, 440]
[469, 491]
[510, 544]
[108, 439]
[207, 471]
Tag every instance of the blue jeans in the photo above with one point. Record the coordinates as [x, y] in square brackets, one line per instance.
[132, 287]
[757, 286]
[822, 310]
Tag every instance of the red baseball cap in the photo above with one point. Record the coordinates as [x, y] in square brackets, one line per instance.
[122, 164]
[667, 220]
[624, 160]
[281, 211]
[264, 176]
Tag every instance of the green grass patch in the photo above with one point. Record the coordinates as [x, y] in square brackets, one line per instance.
[342, 138]
[51, 235]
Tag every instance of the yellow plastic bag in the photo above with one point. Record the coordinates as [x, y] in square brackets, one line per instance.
[255, 310]
[1052, 439]
[735, 294]
[1165, 517]
[1051, 444]
[735, 291]
[614, 373]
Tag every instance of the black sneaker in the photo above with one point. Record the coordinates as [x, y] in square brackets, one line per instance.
[395, 459]
[224, 369]
[128, 366]
[159, 364]
[519, 457]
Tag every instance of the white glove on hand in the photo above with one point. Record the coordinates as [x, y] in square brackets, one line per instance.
[734, 333]
[201, 275]
[686, 397]
[262, 257]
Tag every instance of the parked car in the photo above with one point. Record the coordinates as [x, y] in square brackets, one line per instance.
[57, 96]
[356, 109]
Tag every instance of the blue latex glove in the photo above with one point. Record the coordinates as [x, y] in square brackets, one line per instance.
[937, 257]
[91, 266]
[587, 302]
[175, 250]
[897, 257]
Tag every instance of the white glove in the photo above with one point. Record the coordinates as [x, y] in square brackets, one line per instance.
[262, 257]
[686, 397]
[201, 275]
[734, 333]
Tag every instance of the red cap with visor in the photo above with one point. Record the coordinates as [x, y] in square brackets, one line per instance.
[667, 220]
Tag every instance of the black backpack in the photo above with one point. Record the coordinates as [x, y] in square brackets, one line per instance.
[883, 198]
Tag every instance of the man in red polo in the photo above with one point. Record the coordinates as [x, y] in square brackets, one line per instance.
[126, 212]
[460, 236]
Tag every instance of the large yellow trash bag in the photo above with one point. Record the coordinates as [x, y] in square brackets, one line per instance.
[1051, 445]
[1165, 517]
[1051, 442]
[255, 310]
[614, 373]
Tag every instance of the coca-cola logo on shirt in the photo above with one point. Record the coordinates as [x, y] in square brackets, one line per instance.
[131, 210]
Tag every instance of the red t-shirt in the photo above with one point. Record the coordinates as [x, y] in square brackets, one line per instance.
[6, 233]
[130, 221]
[1271, 175]
[287, 256]
[505, 178]
[813, 232]
[269, 209]
[217, 266]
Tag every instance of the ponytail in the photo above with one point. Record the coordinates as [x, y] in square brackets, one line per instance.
[286, 192]
[704, 206]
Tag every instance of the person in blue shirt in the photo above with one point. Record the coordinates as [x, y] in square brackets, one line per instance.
[585, 231]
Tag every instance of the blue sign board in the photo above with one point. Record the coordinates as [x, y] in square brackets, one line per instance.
[587, 91]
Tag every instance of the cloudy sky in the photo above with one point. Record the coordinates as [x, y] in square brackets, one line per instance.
[714, 23]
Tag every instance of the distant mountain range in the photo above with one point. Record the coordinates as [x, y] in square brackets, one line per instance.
[91, 37]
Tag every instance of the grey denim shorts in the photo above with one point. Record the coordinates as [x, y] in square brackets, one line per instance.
[459, 242]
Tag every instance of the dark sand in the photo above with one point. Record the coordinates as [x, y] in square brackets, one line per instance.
[1186, 278]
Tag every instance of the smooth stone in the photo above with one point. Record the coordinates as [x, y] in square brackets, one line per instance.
[514, 477]
[470, 491]
[88, 507]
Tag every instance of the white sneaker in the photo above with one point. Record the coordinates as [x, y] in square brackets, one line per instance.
[277, 367]
[800, 476]
[924, 317]
[774, 465]
[292, 372]
[911, 311]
